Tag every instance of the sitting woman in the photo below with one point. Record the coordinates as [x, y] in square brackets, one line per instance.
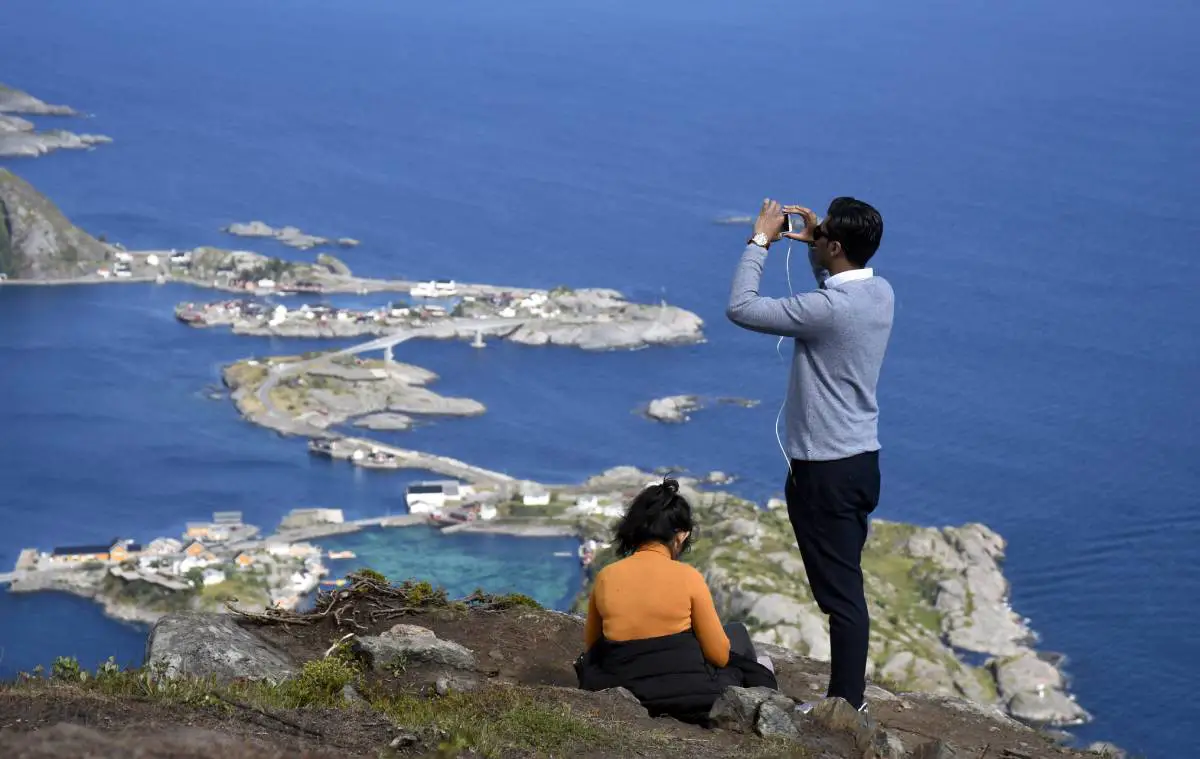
[651, 624]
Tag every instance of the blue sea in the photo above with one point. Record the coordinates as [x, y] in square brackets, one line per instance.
[1035, 164]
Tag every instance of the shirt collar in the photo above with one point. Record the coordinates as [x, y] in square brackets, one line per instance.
[849, 276]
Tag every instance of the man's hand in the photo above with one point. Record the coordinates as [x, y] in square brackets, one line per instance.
[770, 220]
[810, 223]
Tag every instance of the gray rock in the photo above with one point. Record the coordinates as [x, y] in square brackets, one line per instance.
[452, 683]
[1051, 707]
[385, 421]
[411, 643]
[935, 750]
[15, 101]
[40, 242]
[250, 229]
[875, 693]
[1104, 748]
[775, 722]
[672, 409]
[737, 708]
[351, 696]
[10, 124]
[887, 745]
[404, 740]
[333, 264]
[623, 693]
[192, 644]
[837, 715]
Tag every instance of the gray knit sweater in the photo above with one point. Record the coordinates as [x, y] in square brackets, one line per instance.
[840, 335]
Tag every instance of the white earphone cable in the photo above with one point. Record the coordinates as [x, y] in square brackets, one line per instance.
[787, 267]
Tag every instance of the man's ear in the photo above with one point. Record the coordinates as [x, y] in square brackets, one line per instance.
[835, 249]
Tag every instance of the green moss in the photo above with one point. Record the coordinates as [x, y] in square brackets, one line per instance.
[497, 721]
[511, 600]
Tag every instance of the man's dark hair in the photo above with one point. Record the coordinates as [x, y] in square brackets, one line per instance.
[655, 516]
[857, 226]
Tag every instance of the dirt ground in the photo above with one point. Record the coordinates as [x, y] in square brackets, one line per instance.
[523, 654]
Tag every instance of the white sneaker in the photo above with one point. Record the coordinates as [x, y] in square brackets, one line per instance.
[807, 706]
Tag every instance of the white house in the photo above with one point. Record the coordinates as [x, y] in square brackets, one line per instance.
[427, 497]
[487, 511]
[212, 577]
[163, 547]
[534, 495]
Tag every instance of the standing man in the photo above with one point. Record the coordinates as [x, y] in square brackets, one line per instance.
[840, 333]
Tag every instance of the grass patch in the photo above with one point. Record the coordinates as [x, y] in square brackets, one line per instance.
[236, 585]
[498, 720]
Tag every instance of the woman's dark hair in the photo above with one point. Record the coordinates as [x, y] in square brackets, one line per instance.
[655, 516]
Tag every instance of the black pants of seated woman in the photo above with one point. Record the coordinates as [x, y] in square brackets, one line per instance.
[669, 675]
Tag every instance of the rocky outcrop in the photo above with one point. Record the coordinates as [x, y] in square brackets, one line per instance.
[412, 643]
[36, 239]
[17, 135]
[290, 236]
[673, 409]
[931, 592]
[31, 144]
[15, 101]
[191, 644]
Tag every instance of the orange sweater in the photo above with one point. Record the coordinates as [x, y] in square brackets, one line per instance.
[648, 595]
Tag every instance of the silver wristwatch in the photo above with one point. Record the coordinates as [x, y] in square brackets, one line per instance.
[760, 240]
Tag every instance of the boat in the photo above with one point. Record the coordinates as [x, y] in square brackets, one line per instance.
[561, 554]
[447, 517]
[342, 555]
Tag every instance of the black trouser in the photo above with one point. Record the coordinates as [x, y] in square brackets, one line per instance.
[828, 504]
[739, 640]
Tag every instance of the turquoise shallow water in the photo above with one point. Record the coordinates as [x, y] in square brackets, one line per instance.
[461, 563]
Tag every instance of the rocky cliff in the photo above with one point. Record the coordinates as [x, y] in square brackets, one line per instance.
[37, 241]
[380, 670]
[933, 594]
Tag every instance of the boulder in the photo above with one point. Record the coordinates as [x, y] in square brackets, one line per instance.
[837, 715]
[1104, 748]
[411, 643]
[455, 683]
[737, 708]
[672, 409]
[887, 745]
[774, 721]
[193, 644]
[1049, 707]
[935, 750]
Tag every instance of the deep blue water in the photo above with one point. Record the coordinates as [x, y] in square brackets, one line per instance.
[1035, 163]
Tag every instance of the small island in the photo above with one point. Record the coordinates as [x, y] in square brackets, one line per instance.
[18, 137]
[676, 409]
[290, 236]
[308, 394]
